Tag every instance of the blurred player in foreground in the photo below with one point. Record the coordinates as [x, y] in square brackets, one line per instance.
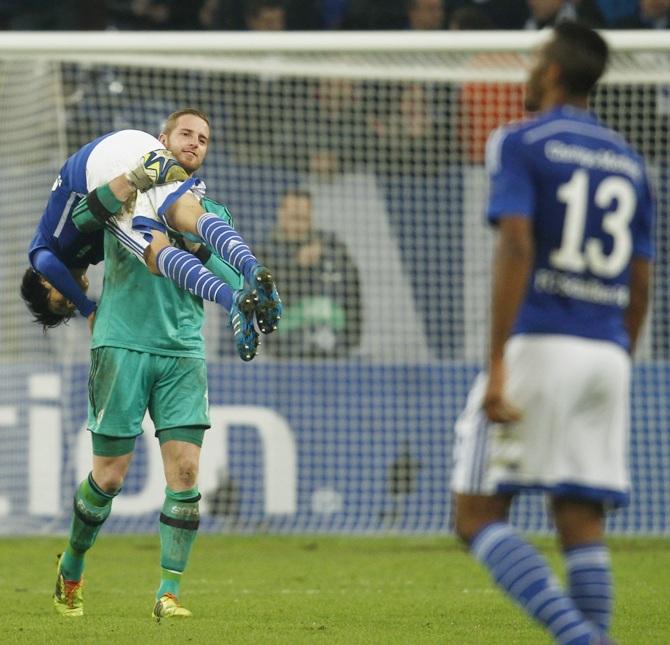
[574, 218]
[147, 353]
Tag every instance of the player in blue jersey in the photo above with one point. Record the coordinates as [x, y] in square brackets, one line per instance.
[574, 218]
[68, 237]
[59, 253]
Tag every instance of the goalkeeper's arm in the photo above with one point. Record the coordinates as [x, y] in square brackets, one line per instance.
[92, 212]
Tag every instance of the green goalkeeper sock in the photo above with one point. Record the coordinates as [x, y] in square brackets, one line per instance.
[92, 506]
[170, 581]
[178, 527]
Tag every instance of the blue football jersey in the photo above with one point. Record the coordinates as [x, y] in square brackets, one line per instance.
[589, 199]
[55, 230]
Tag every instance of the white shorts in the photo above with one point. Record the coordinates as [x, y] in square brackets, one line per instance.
[114, 156]
[573, 437]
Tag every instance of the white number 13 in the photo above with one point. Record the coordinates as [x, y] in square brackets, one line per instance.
[574, 194]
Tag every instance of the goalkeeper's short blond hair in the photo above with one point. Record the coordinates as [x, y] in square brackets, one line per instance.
[171, 122]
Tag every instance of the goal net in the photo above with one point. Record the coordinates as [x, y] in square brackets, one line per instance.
[353, 164]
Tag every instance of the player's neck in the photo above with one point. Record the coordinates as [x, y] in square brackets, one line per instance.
[562, 100]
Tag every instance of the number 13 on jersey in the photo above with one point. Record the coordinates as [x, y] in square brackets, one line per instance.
[617, 197]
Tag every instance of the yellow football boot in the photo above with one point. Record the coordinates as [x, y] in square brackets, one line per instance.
[167, 606]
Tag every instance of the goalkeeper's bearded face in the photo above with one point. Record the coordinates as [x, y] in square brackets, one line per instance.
[188, 141]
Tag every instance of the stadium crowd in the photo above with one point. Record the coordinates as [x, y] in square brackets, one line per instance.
[328, 14]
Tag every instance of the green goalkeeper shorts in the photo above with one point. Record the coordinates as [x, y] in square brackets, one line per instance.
[123, 384]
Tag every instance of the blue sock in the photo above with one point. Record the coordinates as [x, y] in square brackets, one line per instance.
[589, 576]
[188, 272]
[227, 243]
[525, 577]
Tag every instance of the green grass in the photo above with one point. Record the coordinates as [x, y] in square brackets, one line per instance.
[290, 590]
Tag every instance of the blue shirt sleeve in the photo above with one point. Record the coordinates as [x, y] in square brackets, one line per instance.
[48, 265]
[511, 189]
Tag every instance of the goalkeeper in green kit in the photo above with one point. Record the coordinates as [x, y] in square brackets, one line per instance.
[147, 353]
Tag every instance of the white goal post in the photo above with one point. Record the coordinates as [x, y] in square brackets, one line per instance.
[117, 42]
[344, 422]
[385, 55]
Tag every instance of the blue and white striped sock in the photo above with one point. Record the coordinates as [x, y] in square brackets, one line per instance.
[524, 575]
[227, 243]
[589, 576]
[187, 271]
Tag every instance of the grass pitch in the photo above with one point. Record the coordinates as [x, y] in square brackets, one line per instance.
[270, 590]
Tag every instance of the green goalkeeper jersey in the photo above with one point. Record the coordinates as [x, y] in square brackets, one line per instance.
[145, 312]
[149, 313]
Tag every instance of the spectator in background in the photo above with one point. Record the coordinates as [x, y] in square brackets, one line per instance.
[261, 15]
[409, 125]
[320, 286]
[613, 11]
[208, 15]
[589, 13]
[504, 14]
[375, 15]
[265, 15]
[163, 15]
[650, 14]
[312, 14]
[327, 126]
[332, 13]
[141, 14]
[548, 13]
[470, 18]
[426, 15]
[36, 15]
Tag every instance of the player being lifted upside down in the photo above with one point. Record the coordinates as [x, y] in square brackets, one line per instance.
[144, 206]
[574, 218]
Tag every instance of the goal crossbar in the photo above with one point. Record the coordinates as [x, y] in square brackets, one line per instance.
[640, 56]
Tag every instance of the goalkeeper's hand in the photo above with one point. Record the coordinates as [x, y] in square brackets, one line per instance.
[156, 168]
